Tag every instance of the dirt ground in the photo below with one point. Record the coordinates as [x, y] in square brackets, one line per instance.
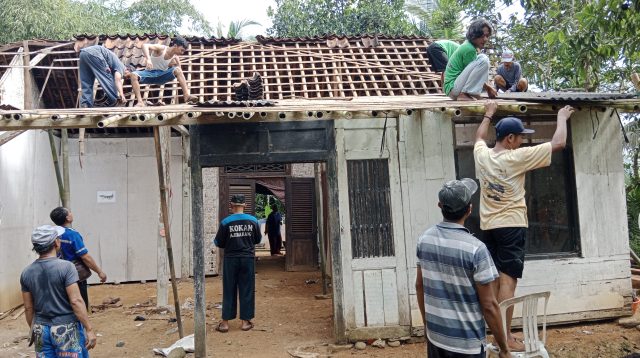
[288, 319]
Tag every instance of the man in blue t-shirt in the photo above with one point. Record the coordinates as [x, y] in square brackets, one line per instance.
[53, 307]
[73, 250]
[454, 281]
[272, 229]
[237, 235]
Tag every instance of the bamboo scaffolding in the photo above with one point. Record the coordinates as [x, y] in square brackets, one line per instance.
[56, 165]
[166, 116]
[111, 120]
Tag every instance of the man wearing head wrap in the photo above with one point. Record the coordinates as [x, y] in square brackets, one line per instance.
[54, 308]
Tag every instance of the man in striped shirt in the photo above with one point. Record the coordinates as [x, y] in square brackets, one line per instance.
[454, 282]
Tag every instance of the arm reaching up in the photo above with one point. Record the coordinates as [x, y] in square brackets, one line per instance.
[559, 140]
[490, 110]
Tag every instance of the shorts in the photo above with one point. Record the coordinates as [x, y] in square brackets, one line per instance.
[64, 340]
[506, 245]
[155, 77]
[434, 351]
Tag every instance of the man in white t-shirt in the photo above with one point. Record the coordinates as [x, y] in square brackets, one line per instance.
[503, 210]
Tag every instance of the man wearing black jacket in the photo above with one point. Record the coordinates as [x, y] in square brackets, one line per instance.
[237, 235]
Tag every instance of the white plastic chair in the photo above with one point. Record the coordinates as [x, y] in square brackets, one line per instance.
[534, 346]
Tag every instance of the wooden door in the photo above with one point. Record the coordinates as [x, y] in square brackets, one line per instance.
[301, 233]
[231, 186]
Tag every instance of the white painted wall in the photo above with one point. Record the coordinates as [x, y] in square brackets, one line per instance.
[122, 236]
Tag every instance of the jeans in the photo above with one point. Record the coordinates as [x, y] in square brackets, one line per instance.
[84, 292]
[91, 68]
[65, 340]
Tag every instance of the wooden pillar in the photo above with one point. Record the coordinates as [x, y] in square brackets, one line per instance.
[186, 207]
[28, 81]
[162, 136]
[162, 281]
[320, 224]
[64, 148]
[199, 313]
[336, 252]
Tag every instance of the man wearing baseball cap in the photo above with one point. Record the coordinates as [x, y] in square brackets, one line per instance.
[54, 308]
[503, 211]
[237, 235]
[509, 75]
[455, 279]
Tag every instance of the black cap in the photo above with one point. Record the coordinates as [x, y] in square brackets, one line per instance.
[455, 195]
[237, 199]
[511, 125]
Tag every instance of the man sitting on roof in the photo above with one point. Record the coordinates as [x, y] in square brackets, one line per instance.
[163, 65]
[98, 62]
[509, 75]
[468, 69]
[439, 53]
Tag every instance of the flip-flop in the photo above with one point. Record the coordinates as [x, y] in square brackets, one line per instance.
[247, 328]
[221, 329]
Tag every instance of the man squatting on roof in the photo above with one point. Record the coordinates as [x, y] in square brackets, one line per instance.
[468, 69]
[509, 75]
[163, 65]
[53, 306]
[503, 208]
[454, 281]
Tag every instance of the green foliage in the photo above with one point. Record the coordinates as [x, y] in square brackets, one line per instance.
[262, 205]
[293, 18]
[234, 30]
[61, 19]
[442, 22]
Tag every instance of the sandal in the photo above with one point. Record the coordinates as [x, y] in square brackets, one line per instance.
[247, 327]
[222, 329]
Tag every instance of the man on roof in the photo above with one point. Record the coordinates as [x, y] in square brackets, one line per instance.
[439, 53]
[163, 65]
[98, 62]
[509, 75]
[468, 69]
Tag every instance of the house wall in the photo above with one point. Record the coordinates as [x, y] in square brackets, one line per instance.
[593, 286]
[122, 236]
[28, 190]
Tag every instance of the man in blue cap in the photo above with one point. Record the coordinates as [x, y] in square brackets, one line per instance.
[503, 211]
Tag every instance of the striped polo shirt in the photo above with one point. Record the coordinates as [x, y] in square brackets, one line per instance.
[452, 262]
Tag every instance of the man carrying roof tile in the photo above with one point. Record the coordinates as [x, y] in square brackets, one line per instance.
[98, 62]
[468, 69]
[503, 208]
[163, 65]
[509, 75]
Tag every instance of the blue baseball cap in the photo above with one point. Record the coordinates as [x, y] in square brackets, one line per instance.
[511, 125]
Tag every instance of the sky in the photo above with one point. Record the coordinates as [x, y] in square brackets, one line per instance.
[226, 11]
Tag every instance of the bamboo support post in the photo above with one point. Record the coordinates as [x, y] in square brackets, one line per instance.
[6, 137]
[111, 120]
[64, 148]
[162, 158]
[166, 116]
[56, 165]
[81, 134]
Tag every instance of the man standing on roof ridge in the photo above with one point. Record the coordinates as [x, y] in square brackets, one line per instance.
[468, 69]
[503, 208]
[98, 62]
[163, 65]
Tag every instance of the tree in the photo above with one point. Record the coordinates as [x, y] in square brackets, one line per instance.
[61, 19]
[293, 18]
[234, 30]
[440, 19]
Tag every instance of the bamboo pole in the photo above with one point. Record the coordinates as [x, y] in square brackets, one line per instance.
[6, 137]
[111, 120]
[194, 114]
[64, 148]
[170, 115]
[81, 134]
[162, 143]
[56, 165]
[455, 112]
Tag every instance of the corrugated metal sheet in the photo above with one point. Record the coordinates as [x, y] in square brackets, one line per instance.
[370, 208]
[565, 96]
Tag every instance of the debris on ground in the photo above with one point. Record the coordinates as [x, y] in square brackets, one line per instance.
[9, 312]
[360, 346]
[393, 343]
[379, 343]
[631, 321]
[310, 281]
[333, 348]
[323, 297]
[140, 318]
[177, 352]
[120, 344]
[188, 304]
[187, 343]
[301, 352]
[171, 331]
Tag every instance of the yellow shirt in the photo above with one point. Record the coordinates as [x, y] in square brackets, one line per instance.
[502, 202]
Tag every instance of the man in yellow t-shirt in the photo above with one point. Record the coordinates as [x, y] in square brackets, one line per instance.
[503, 211]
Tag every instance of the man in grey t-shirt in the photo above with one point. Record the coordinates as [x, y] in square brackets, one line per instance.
[509, 75]
[54, 308]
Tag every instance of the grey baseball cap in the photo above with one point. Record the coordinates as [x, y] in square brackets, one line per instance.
[455, 195]
[45, 234]
[237, 199]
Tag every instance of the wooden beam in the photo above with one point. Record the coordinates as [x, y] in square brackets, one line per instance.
[186, 206]
[64, 148]
[162, 137]
[6, 137]
[199, 312]
[181, 129]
